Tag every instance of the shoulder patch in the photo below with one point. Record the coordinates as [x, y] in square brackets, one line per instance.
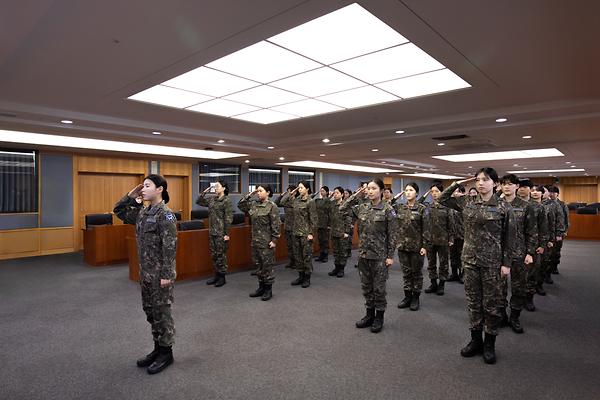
[170, 217]
[393, 212]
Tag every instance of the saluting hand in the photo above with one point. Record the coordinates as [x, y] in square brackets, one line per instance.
[504, 271]
[471, 179]
[271, 244]
[528, 259]
[136, 191]
[206, 190]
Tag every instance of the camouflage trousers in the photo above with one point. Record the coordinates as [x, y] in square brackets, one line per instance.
[289, 243]
[218, 252]
[156, 303]
[518, 286]
[373, 278]
[548, 261]
[433, 254]
[323, 238]
[340, 251]
[456, 255]
[534, 274]
[557, 250]
[303, 254]
[411, 263]
[263, 260]
[483, 288]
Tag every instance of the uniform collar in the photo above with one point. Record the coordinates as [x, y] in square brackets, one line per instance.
[153, 209]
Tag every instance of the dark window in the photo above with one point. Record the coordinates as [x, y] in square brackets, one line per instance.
[211, 172]
[294, 177]
[18, 181]
[265, 176]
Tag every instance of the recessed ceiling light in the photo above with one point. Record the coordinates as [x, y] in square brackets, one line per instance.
[325, 140]
[441, 144]
[374, 149]
[247, 161]
[383, 162]
[110, 145]
[433, 176]
[527, 137]
[515, 165]
[400, 131]
[470, 166]
[543, 171]
[321, 155]
[66, 121]
[499, 120]
[281, 158]
[502, 155]
[336, 166]
[567, 162]
[573, 166]
[220, 141]
[270, 147]
[156, 133]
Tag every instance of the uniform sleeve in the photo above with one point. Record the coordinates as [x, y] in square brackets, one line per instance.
[426, 220]
[421, 200]
[202, 200]
[348, 222]
[531, 230]
[542, 226]
[560, 221]
[551, 218]
[275, 223]
[450, 224]
[285, 199]
[392, 233]
[244, 204]
[566, 215]
[455, 203]
[509, 237]
[127, 210]
[227, 217]
[348, 204]
[312, 216]
[168, 236]
[278, 201]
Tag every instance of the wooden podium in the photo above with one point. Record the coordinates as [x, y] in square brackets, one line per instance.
[106, 244]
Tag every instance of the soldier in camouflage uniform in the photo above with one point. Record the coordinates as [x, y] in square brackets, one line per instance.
[556, 213]
[531, 193]
[556, 259]
[156, 235]
[378, 227]
[487, 255]
[220, 216]
[288, 211]
[341, 228]
[459, 234]
[305, 222]
[266, 224]
[323, 206]
[524, 250]
[440, 225]
[412, 243]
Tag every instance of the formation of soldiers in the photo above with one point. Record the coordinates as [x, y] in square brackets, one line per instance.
[504, 231]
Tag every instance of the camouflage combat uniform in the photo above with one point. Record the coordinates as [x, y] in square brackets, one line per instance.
[456, 249]
[323, 206]
[412, 237]
[440, 225]
[305, 221]
[288, 225]
[266, 224]
[341, 223]
[526, 241]
[489, 234]
[378, 229]
[534, 272]
[156, 236]
[557, 229]
[559, 243]
[220, 216]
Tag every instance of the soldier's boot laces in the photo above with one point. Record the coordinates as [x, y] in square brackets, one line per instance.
[212, 280]
[414, 302]
[220, 280]
[299, 280]
[377, 321]
[163, 360]
[405, 303]
[306, 281]
[514, 321]
[475, 346]
[258, 292]
[440, 288]
[433, 287]
[489, 349]
[529, 306]
[367, 320]
[149, 358]
[268, 293]
[340, 273]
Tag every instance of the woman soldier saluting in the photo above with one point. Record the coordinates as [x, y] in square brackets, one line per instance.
[156, 235]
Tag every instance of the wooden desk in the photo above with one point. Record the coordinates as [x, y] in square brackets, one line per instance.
[582, 226]
[106, 244]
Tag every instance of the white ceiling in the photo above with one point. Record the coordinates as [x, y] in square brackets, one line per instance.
[533, 62]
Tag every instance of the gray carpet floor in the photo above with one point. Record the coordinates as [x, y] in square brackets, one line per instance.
[70, 331]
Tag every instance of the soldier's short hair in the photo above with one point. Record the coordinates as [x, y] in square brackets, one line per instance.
[540, 188]
[509, 178]
[306, 185]
[326, 188]
[437, 185]
[225, 186]
[291, 187]
[554, 189]
[159, 181]
[348, 190]
[390, 190]
[525, 182]
[339, 189]
[489, 172]
[461, 189]
[412, 185]
[267, 188]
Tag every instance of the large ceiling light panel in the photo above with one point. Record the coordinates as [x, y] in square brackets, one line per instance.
[502, 155]
[341, 167]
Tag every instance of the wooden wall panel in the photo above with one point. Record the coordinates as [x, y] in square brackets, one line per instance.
[53, 240]
[19, 242]
[175, 168]
[579, 193]
[177, 192]
[110, 165]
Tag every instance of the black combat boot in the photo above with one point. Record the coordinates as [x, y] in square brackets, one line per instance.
[325, 257]
[268, 293]
[504, 316]
[259, 292]
[254, 273]
[340, 273]
[433, 287]
[149, 358]
[555, 270]
[163, 360]
[414, 302]
[220, 280]
[539, 289]
[460, 279]
[405, 303]
[334, 271]
[299, 280]
[548, 279]
[440, 288]
[290, 265]
[213, 280]
[489, 349]
[306, 281]
[320, 257]
[367, 319]
[475, 346]
[529, 306]
[453, 276]
[514, 322]
[377, 321]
